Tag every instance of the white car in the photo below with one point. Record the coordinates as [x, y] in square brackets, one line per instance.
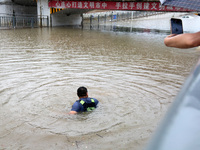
[187, 16]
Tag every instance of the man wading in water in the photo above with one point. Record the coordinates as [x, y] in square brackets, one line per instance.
[84, 103]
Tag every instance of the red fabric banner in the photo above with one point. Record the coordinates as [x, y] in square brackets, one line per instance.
[108, 5]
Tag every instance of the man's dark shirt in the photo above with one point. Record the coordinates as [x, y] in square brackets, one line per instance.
[78, 107]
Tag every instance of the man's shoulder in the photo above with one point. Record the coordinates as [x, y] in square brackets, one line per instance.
[77, 102]
[95, 100]
[76, 106]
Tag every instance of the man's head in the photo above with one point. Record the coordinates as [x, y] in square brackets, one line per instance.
[82, 91]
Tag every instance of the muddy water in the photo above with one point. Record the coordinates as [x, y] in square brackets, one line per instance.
[133, 75]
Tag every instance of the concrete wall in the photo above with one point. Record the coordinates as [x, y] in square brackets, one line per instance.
[8, 8]
[59, 19]
[43, 12]
[42, 8]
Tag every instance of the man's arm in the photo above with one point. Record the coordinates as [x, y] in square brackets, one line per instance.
[72, 112]
[75, 108]
[187, 40]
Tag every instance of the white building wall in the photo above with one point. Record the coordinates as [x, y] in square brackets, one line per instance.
[43, 11]
[5, 1]
[6, 10]
[42, 8]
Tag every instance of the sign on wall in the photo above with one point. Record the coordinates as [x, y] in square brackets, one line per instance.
[108, 5]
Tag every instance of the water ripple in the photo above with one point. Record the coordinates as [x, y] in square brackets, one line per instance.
[135, 81]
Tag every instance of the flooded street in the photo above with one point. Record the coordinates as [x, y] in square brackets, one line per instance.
[133, 75]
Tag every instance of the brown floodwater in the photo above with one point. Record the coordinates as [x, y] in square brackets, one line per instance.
[133, 75]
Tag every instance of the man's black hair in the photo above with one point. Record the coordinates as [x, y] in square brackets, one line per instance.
[82, 91]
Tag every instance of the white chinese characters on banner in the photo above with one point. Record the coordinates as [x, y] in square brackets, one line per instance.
[79, 5]
[92, 5]
[85, 5]
[73, 4]
[68, 5]
[132, 5]
[110, 5]
[154, 6]
[118, 5]
[98, 5]
[146, 6]
[104, 5]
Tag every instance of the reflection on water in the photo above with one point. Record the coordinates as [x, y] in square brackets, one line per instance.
[133, 75]
[117, 28]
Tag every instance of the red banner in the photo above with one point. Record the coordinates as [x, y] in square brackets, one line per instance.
[108, 5]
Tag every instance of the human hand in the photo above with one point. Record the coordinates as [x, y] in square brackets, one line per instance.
[171, 35]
